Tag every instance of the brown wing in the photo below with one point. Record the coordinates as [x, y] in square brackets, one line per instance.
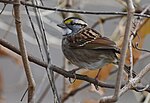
[90, 39]
[83, 36]
[101, 44]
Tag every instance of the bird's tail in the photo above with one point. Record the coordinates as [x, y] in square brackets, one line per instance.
[127, 70]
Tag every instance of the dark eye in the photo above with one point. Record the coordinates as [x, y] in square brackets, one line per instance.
[71, 23]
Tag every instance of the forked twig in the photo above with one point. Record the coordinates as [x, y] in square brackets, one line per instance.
[134, 81]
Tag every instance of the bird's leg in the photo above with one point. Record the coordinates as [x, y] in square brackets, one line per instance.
[96, 78]
[98, 74]
[74, 73]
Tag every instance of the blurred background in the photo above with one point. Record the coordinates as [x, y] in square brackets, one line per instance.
[13, 79]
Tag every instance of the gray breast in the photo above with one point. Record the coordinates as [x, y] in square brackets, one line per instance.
[85, 58]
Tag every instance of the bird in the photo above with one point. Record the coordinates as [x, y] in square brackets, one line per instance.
[87, 48]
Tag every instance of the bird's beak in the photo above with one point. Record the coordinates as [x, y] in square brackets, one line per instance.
[62, 25]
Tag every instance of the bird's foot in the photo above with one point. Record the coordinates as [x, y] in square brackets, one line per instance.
[74, 73]
[96, 79]
[96, 86]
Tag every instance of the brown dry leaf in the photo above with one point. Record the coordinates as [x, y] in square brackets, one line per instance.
[99, 90]
[104, 73]
[90, 101]
[8, 53]
[142, 32]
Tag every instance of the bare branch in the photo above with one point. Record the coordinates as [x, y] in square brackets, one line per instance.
[83, 12]
[135, 80]
[3, 9]
[60, 70]
[131, 56]
[130, 15]
[31, 82]
[143, 71]
[50, 73]
[135, 27]
[131, 10]
[77, 11]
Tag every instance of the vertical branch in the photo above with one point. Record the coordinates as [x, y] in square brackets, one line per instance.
[135, 28]
[131, 56]
[130, 15]
[31, 82]
[68, 5]
[65, 67]
[49, 72]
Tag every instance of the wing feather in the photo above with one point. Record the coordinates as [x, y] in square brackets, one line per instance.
[90, 39]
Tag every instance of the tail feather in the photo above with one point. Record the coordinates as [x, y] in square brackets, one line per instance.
[127, 70]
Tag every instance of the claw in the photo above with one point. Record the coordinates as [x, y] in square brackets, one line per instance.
[96, 86]
[74, 73]
[73, 79]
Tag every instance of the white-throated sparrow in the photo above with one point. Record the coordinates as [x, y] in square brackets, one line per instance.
[87, 48]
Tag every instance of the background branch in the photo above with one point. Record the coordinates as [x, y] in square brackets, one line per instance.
[60, 70]
[64, 72]
[135, 80]
[76, 11]
[130, 15]
[31, 82]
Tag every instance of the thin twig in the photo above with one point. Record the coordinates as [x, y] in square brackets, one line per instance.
[131, 10]
[135, 27]
[60, 70]
[139, 22]
[44, 93]
[76, 11]
[39, 89]
[114, 98]
[135, 80]
[141, 49]
[143, 71]
[34, 31]
[49, 72]
[7, 1]
[67, 4]
[31, 82]
[83, 12]
[131, 56]
[3, 8]
[65, 67]
[103, 20]
[130, 15]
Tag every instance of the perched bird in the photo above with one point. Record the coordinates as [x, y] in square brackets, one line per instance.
[87, 48]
